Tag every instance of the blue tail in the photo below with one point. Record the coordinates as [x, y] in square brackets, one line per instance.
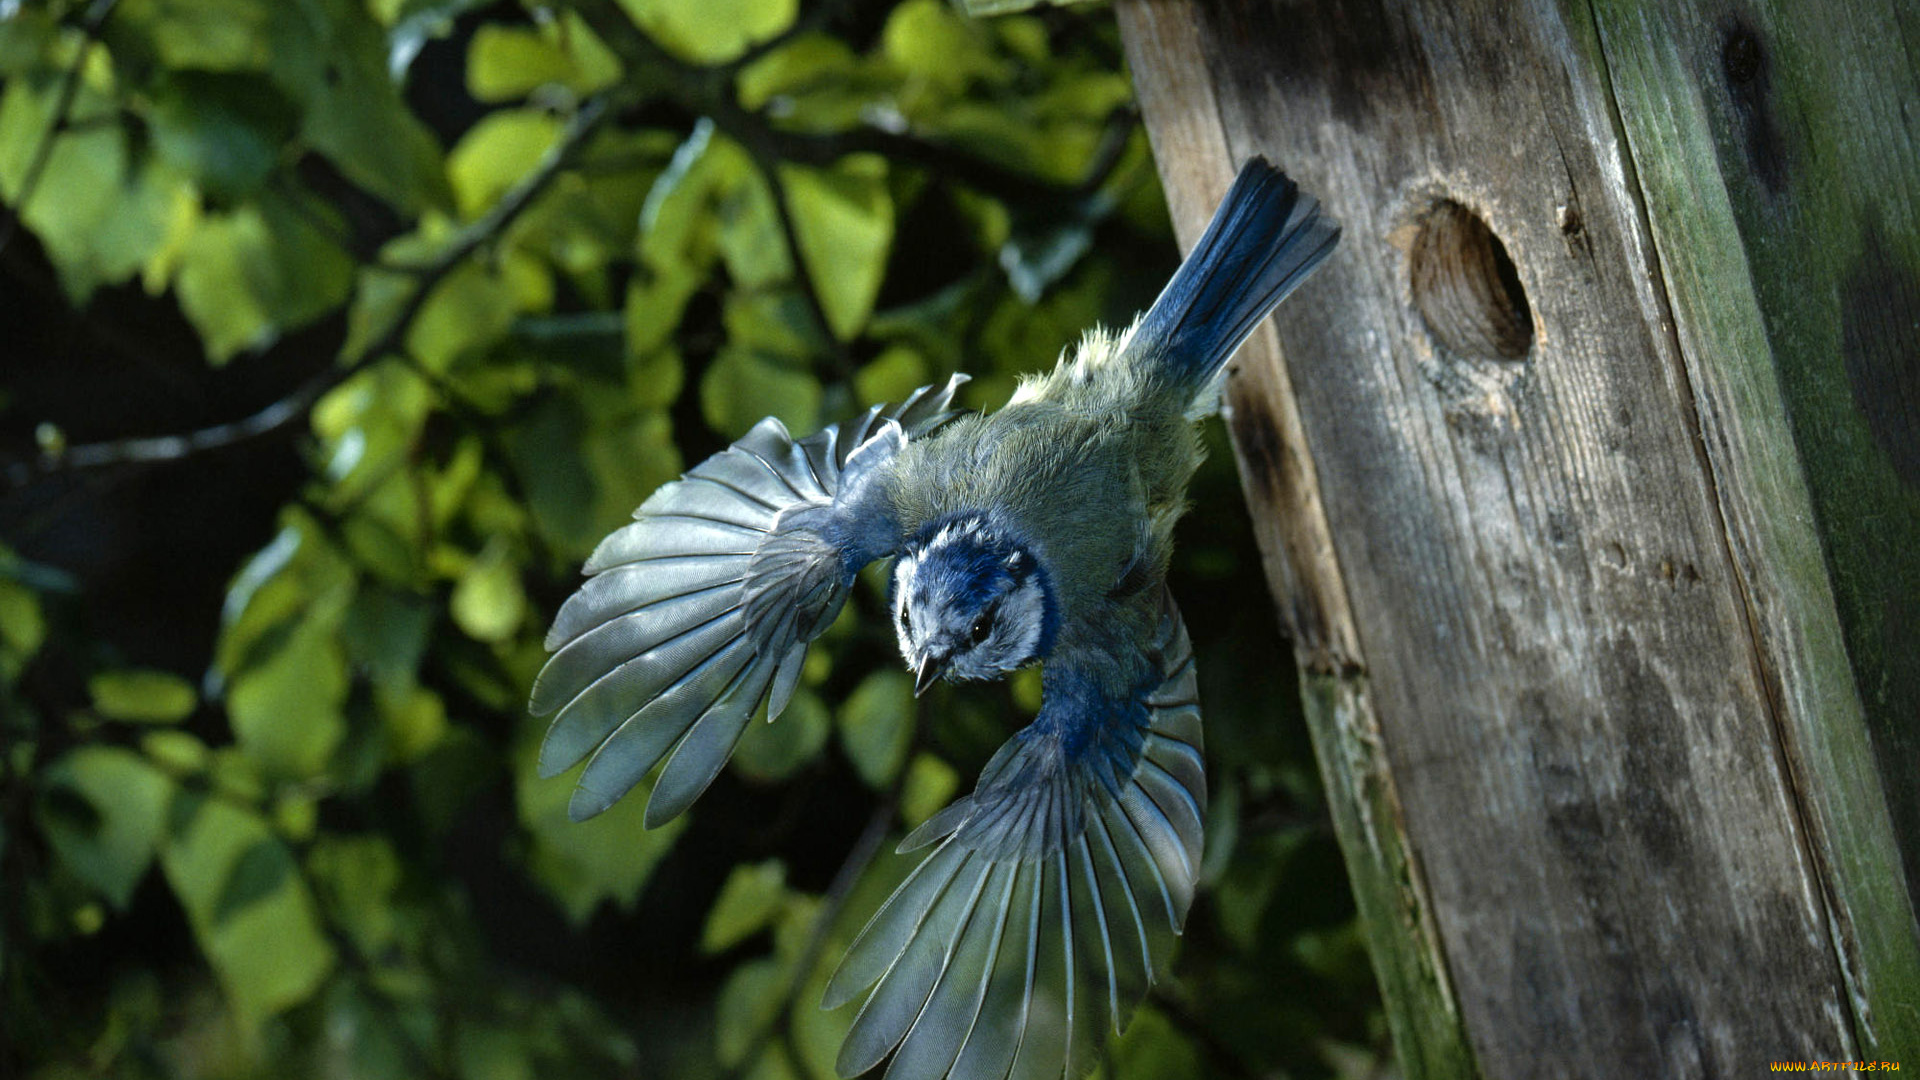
[1265, 238]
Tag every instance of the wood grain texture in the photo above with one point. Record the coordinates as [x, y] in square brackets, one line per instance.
[1297, 549]
[1760, 215]
[1591, 705]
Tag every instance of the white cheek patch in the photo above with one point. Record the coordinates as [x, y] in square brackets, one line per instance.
[902, 589]
[1025, 611]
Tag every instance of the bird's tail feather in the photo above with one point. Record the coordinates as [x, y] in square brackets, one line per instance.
[1266, 238]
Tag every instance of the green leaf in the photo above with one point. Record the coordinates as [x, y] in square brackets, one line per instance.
[843, 218]
[355, 877]
[264, 566]
[1152, 1050]
[142, 696]
[414, 722]
[23, 628]
[750, 999]
[1019, 337]
[225, 130]
[108, 834]
[930, 785]
[581, 864]
[590, 216]
[217, 267]
[210, 35]
[711, 31]
[509, 62]
[817, 1033]
[876, 726]
[263, 869]
[158, 211]
[654, 381]
[629, 456]
[469, 310]
[27, 38]
[487, 1052]
[1026, 37]
[655, 304]
[177, 752]
[385, 634]
[488, 601]
[891, 376]
[371, 425]
[265, 267]
[927, 38]
[679, 220]
[380, 534]
[774, 1064]
[771, 752]
[379, 297]
[775, 323]
[751, 239]
[286, 710]
[751, 899]
[80, 187]
[817, 83]
[381, 1047]
[269, 952]
[332, 57]
[549, 457]
[495, 154]
[742, 386]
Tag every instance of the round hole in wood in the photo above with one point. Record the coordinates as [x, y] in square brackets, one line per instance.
[1466, 287]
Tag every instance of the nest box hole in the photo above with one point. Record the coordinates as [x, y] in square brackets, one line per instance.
[1466, 287]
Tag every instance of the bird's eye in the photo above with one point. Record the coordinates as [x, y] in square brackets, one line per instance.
[982, 628]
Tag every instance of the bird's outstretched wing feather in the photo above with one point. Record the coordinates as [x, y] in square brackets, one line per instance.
[1053, 897]
[703, 607]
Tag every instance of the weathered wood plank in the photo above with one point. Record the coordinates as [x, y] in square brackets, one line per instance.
[1762, 217]
[1277, 471]
[1573, 702]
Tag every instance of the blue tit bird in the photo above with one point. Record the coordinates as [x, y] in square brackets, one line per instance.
[1051, 896]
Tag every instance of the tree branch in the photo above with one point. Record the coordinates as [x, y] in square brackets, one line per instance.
[941, 159]
[834, 902]
[165, 448]
[815, 17]
[63, 106]
[710, 92]
[770, 169]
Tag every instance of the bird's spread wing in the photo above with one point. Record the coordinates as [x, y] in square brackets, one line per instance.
[704, 605]
[1054, 896]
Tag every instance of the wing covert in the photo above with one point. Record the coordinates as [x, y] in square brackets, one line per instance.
[1055, 892]
[703, 606]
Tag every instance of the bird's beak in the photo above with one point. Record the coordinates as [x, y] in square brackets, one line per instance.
[930, 671]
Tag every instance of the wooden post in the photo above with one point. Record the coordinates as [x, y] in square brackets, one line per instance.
[1589, 489]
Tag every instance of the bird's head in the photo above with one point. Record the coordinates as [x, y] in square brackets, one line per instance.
[970, 602]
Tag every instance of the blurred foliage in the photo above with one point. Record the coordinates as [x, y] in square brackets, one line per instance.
[501, 270]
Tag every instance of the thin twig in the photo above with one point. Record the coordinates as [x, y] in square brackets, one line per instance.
[63, 106]
[1113, 144]
[834, 901]
[809, 289]
[165, 448]
[814, 18]
[710, 91]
